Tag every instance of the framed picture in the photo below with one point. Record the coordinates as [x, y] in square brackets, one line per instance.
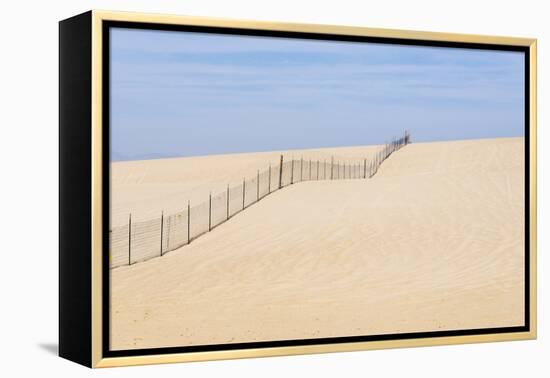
[236, 189]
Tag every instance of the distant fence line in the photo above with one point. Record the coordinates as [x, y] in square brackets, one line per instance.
[140, 241]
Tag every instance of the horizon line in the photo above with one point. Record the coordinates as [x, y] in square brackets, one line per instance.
[168, 157]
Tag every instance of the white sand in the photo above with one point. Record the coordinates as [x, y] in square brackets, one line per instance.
[434, 241]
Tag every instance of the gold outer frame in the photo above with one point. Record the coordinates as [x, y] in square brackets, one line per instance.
[97, 196]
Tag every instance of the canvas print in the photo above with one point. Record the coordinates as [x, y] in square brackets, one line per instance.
[271, 189]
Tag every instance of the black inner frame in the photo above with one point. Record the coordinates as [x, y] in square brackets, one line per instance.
[107, 25]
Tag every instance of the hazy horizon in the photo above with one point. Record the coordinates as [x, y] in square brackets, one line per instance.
[179, 94]
[152, 157]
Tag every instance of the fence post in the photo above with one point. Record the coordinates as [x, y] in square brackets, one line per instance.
[370, 169]
[258, 186]
[188, 222]
[269, 180]
[244, 184]
[301, 168]
[292, 171]
[210, 211]
[331, 167]
[281, 173]
[227, 195]
[130, 239]
[161, 229]
[317, 169]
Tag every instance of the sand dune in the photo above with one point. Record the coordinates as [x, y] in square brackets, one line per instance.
[146, 187]
[433, 242]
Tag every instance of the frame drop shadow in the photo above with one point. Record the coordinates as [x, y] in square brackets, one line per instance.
[51, 348]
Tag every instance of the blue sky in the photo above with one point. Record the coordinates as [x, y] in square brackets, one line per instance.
[187, 94]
